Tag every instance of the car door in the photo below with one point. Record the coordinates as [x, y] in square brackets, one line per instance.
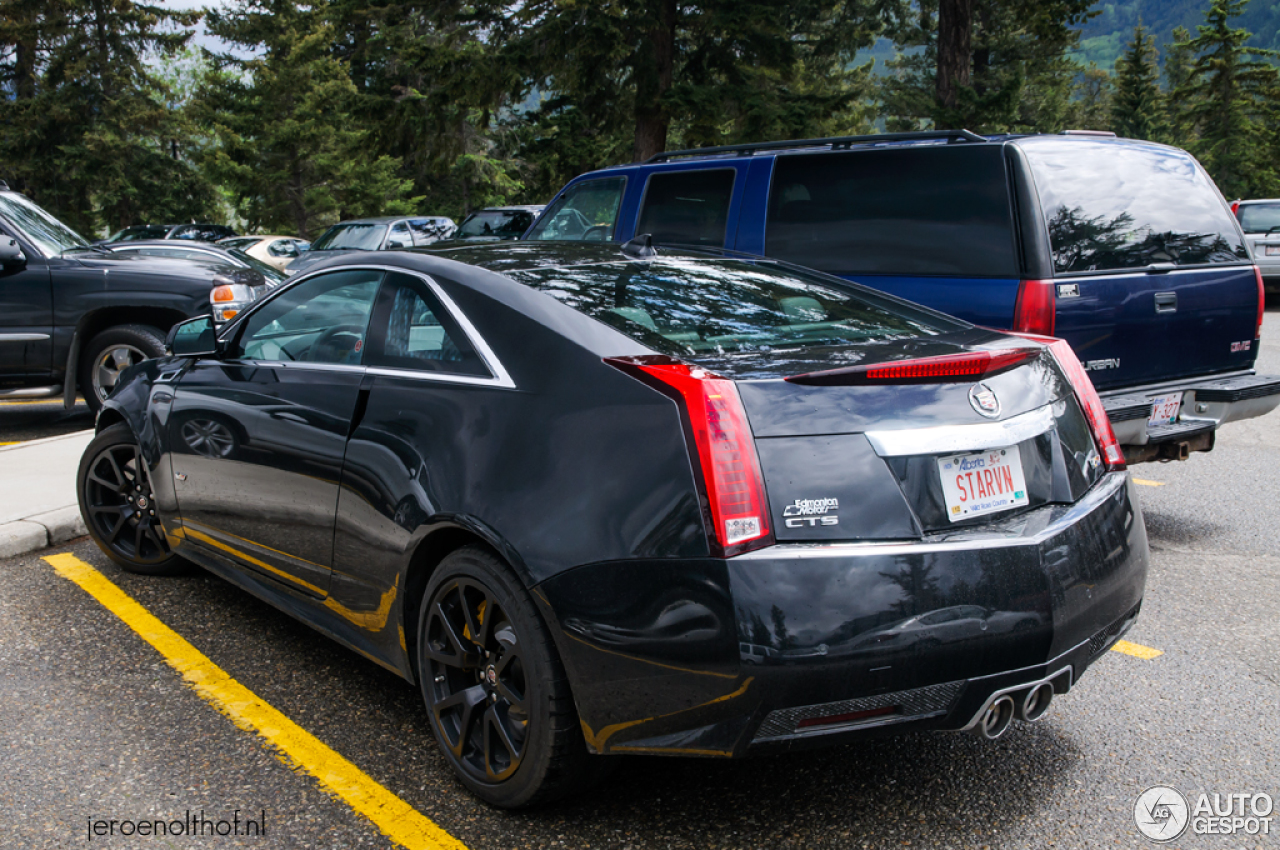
[432, 386]
[26, 318]
[258, 435]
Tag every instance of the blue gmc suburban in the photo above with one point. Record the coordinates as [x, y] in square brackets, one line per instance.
[1124, 248]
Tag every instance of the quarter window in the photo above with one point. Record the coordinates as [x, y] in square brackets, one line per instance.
[932, 210]
[586, 212]
[321, 320]
[420, 334]
[687, 207]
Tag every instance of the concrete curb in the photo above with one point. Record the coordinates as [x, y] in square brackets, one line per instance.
[40, 531]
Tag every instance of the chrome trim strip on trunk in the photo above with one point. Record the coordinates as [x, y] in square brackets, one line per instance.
[945, 439]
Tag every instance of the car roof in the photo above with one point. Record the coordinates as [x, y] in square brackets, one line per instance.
[513, 208]
[727, 154]
[505, 257]
[176, 244]
[387, 219]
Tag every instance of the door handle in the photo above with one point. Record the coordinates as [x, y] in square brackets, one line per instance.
[1166, 302]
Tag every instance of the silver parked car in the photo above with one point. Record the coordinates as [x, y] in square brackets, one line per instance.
[1260, 220]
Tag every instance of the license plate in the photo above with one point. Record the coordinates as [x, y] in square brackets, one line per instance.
[1273, 250]
[1164, 410]
[978, 483]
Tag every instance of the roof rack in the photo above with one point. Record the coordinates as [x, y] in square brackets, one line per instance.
[836, 143]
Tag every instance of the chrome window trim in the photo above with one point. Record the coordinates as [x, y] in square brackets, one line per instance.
[499, 376]
[944, 439]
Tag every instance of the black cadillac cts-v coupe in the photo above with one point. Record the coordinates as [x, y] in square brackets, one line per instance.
[598, 500]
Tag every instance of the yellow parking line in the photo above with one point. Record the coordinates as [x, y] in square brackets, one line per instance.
[1137, 650]
[295, 746]
[1145, 483]
[10, 443]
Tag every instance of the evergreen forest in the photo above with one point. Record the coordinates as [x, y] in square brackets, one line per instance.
[309, 113]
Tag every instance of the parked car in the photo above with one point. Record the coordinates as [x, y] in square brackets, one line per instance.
[203, 232]
[218, 254]
[1260, 221]
[497, 223]
[275, 251]
[1124, 248]
[75, 316]
[601, 499]
[374, 234]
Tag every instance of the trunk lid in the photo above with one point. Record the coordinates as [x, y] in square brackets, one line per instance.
[883, 462]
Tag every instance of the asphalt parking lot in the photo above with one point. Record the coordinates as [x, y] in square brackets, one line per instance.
[95, 725]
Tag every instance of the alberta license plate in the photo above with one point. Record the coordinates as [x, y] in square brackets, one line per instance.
[1164, 410]
[1273, 250]
[978, 483]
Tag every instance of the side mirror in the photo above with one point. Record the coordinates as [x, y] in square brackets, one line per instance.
[192, 338]
[11, 252]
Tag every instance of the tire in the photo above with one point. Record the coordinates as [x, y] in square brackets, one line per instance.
[110, 353]
[115, 495]
[495, 690]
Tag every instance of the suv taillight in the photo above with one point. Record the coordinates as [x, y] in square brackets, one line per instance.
[1035, 311]
[723, 450]
[1262, 303]
[1090, 402]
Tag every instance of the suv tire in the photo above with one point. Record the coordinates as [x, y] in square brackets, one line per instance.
[109, 353]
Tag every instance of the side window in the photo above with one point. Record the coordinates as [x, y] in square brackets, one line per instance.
[927, 210]
[399, 237]
[588, 212]
[689, 207]
[420, 334]
[322, 320]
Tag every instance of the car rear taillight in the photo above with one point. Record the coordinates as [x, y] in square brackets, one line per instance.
[1090, 402]
[1035, 311]
[946, 369]
[724, 449]
[1235, 208]
[1262, 302]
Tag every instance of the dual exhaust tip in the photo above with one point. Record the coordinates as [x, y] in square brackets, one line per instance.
[1030, 707]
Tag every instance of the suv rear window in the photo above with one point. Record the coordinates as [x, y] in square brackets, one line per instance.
[689, 207]
[1121, 205]
[684, 307]
[924, 210]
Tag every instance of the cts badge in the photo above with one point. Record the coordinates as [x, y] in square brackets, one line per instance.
[984, 400]
[809, 513]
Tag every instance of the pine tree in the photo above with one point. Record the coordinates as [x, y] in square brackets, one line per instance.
[1092, 103]
[88, 131]
[1020, 77]
[1178, 60]
[1137, 110]
[1227, 93]
[286, 147]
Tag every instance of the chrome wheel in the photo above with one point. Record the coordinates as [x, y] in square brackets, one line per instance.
[118, 502]
[111, 362]
[477, 690]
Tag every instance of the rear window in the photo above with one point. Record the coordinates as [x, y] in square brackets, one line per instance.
[926, 210]
[504, 224]
[1259, 218]
[687, 207]
[1112, 206]
[687, 307]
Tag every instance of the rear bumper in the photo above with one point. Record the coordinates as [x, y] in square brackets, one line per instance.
[1207, 404]
[723, 658]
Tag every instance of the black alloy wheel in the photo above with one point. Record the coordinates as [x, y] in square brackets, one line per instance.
[497, 695]
[118, 504]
